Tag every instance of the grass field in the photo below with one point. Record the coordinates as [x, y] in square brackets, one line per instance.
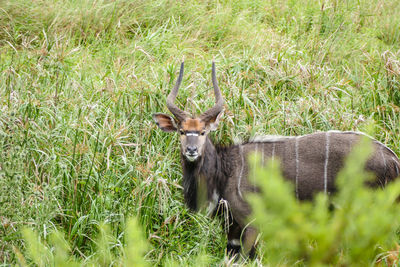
[79, 81]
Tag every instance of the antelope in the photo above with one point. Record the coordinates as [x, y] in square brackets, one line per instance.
[311, 162]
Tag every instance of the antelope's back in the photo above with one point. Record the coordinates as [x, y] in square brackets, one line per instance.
[313, 161]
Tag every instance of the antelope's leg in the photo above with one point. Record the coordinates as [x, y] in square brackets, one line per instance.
[249, 242]
[234, 232]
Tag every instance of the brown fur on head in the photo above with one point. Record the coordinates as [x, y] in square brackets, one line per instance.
[193, 132]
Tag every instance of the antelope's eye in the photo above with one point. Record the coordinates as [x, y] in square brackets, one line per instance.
[182, 132]
[203, 133]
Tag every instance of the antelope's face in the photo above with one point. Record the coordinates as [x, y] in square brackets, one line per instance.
[193, 131]
[193, 137]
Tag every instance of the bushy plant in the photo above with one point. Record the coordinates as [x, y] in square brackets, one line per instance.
[57, 251]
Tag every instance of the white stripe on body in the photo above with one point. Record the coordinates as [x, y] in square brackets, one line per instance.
[326, 163]
[296, 144]
[255, 164]
[241, 171]
[273, 150]
[262, 154]
[384, 163]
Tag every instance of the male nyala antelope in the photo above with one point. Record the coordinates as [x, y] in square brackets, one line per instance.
[311, 161]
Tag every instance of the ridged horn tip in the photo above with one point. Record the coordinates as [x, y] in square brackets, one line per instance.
[178, 113]
[219, 101]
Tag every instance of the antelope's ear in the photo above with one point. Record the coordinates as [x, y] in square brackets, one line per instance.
[165, 122]
[213, 123]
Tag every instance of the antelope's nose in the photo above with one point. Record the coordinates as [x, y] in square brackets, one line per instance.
[192, 149]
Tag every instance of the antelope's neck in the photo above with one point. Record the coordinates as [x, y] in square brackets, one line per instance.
[200, 178]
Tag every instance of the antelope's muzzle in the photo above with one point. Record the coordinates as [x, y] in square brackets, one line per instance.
[191, 153]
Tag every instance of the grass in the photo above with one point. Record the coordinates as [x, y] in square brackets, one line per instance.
[79, 81]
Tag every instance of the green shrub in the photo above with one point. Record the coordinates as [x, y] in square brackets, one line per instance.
[57, 252]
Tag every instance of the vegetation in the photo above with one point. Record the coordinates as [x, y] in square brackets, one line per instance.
[79, 81]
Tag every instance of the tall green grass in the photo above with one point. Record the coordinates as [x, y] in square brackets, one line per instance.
[79, 81]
